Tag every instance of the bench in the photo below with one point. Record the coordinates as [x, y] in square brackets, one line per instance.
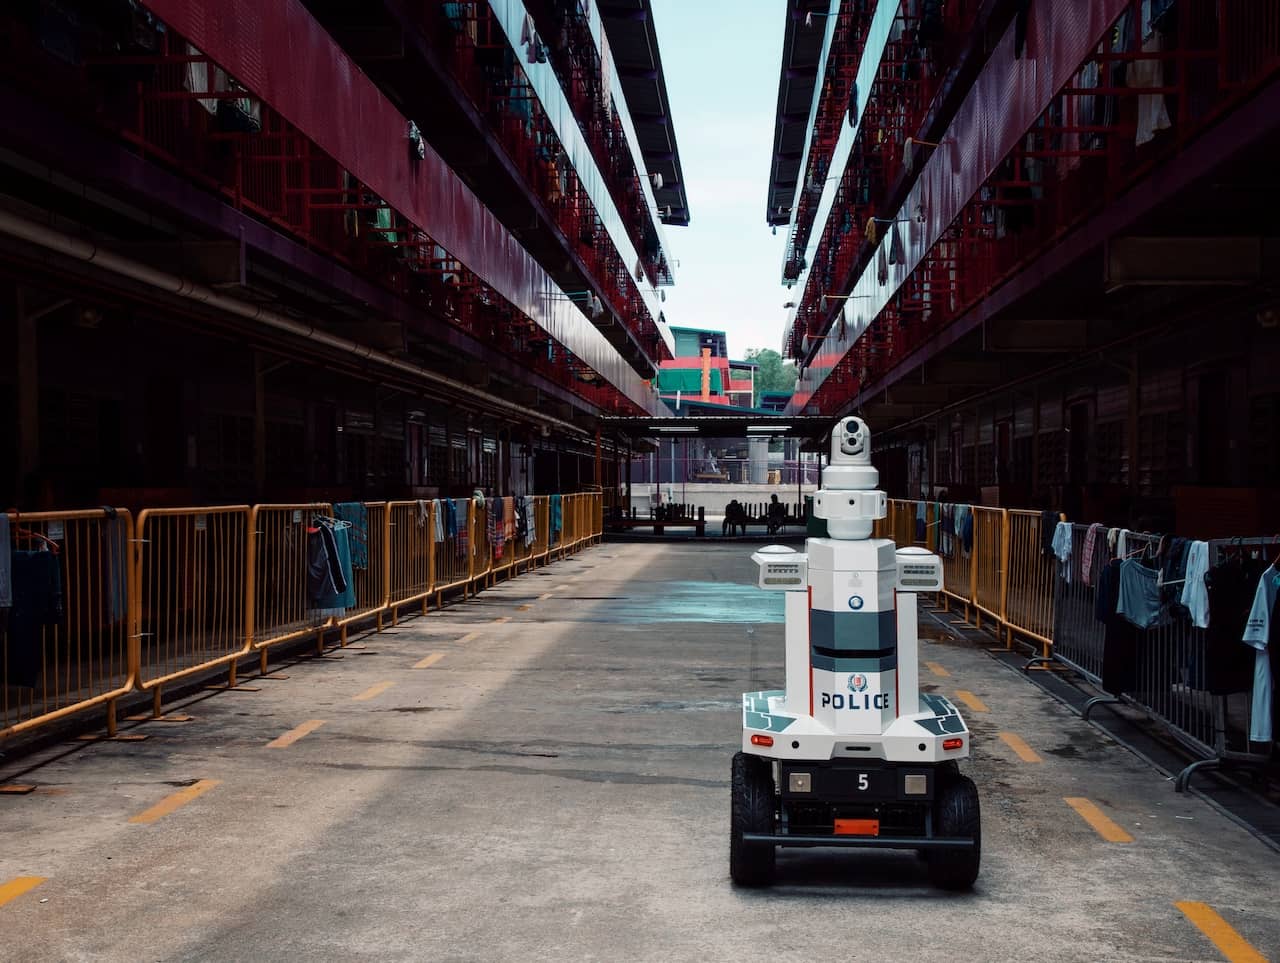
[625, 524]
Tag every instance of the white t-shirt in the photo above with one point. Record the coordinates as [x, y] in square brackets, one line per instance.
[1195, 595]
[1257, 632]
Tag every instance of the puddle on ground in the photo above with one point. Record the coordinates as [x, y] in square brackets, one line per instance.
[694, 602]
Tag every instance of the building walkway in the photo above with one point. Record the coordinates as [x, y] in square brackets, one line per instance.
[542, 773]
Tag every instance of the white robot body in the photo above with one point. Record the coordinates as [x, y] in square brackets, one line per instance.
[851, 753]
[852, 647]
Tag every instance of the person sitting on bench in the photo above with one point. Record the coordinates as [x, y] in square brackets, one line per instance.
[735, 519]
[777, 515]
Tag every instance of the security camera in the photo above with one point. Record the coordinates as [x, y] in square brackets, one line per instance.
[850, 500]
[851, 442]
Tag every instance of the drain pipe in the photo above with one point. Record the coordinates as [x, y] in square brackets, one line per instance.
[90, 253]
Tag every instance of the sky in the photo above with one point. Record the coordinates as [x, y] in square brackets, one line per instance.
[721, 60]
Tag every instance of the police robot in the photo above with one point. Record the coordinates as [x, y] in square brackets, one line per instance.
[851, 754]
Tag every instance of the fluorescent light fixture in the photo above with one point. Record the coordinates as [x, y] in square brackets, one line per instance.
[666, 428]
[768, 427]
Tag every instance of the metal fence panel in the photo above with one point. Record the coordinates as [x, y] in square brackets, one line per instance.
[65, 645]
[193, 591]
[278, 558]
[1029, 595]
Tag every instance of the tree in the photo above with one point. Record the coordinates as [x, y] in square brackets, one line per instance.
[773, 374]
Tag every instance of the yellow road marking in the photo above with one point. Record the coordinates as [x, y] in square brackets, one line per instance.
[1024, 751]
[544, 596]
[499, 621]
[429, 661]
[1101, 823]
[1230, 943]
[373, 692]
[17, 886]
[175, 801]
[938, 670]
[294, 734]
[559, 588]
[468, 637]
[523, 608]
[971, 700]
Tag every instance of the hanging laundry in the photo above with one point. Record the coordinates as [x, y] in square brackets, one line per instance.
[1229, 588]
[463, 523]
[1120, 638]
[1257, 633]
[326, 575]
[450, 517]
[1062, 545]
[495, 528]
[36, 583]
[947, 531]
[964, 527]
[1139, 597]
[1195, 594]
[357, 515]
[556, 517]
[531, 520]
[1091, 537]
[115, 557]
[1153, 115]
[437, 520]
[897, 254]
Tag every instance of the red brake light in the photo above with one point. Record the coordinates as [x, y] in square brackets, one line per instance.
[952, 743]
[759, 740]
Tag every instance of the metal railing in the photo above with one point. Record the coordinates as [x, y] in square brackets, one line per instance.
[67, 644]
[192, 586]
[100, 613]
[1007, 573]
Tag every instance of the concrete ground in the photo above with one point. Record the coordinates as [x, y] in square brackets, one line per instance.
[542, 774]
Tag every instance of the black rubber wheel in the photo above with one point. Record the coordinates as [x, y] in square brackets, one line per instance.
[751, 864]
[956, 813]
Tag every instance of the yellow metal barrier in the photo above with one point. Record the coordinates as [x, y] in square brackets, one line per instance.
[453, 555]
[66, 645]
[101, 613]
[572, 522]
[990, 549]
[411, 549]
[277, 577]
[371, 580]
[503, 550]
[192, 593]
[521, 549]
[541, 528]
[1029, 596]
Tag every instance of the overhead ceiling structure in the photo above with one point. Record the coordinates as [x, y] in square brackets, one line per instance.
[801, 54]
[813, 429]
[634, 45]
